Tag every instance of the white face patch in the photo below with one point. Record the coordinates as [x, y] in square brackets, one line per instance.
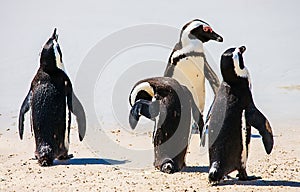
[189, 45]
[244, 73]
[239, 72]
[185, 39]
[145, 86]
[244, 154]
[58, 59]
[192, 26]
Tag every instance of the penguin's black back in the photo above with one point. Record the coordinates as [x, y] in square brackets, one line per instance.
[49, 108]
[168, 91]
[173, 123]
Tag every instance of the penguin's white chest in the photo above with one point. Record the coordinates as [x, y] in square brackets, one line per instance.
[189, 71]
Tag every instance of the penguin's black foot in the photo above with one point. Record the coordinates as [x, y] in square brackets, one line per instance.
[243, 177]
[34, 158]
[228, 177]
[45, 161]
[65, 157]
[212, 179]
[213, 183]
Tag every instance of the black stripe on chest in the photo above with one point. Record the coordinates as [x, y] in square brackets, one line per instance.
[184, 55]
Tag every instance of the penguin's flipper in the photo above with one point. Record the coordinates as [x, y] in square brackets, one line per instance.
[211, 76]
[76, 108]
[217, 113]
[69, 124]
[169, 70]
[256, 119]
[24, 108]
[205, 126]
[78, 111]
[149, 109]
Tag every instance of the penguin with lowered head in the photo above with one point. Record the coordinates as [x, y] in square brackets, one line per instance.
[171, 106]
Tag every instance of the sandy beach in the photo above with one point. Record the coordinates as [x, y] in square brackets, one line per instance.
[88, 172]
[107, 47]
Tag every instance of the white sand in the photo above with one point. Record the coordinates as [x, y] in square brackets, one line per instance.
[272, 42]
[280, 170]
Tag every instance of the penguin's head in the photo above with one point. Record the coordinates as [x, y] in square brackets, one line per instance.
[233, 68]
[51, 55]
[199, 30]
[142, 90]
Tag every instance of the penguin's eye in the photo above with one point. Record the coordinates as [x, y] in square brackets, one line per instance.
[207, 29]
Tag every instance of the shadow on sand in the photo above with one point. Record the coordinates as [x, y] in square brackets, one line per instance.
[234, 181]
[261, 182]
[89, 161]
[194, 169]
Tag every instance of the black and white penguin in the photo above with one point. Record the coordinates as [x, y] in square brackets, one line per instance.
[171, 106]
[187, 63]
[232, 115]
[49, 92]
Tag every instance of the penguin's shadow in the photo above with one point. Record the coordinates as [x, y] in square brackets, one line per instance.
[89, 161]
[195, 169]
[234, 181]
[261, 182]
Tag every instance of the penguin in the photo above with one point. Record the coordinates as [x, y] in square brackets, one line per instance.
[172, 108]
[50, 92]
[187, 62]
[232, 115]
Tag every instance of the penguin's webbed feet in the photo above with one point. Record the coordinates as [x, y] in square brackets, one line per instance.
[45, 161]
[242, 175]
[249, 178]
[65, 157]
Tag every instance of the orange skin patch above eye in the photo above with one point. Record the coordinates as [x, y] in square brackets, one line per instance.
[207, 29]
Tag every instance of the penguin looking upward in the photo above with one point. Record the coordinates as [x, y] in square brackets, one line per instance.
[187, 63]
[232, 115]
[49, 95]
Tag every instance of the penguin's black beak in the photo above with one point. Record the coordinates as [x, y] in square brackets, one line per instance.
[242, 49]
[54, 35]
[134, 116]
[143, 107]
[216, 37]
